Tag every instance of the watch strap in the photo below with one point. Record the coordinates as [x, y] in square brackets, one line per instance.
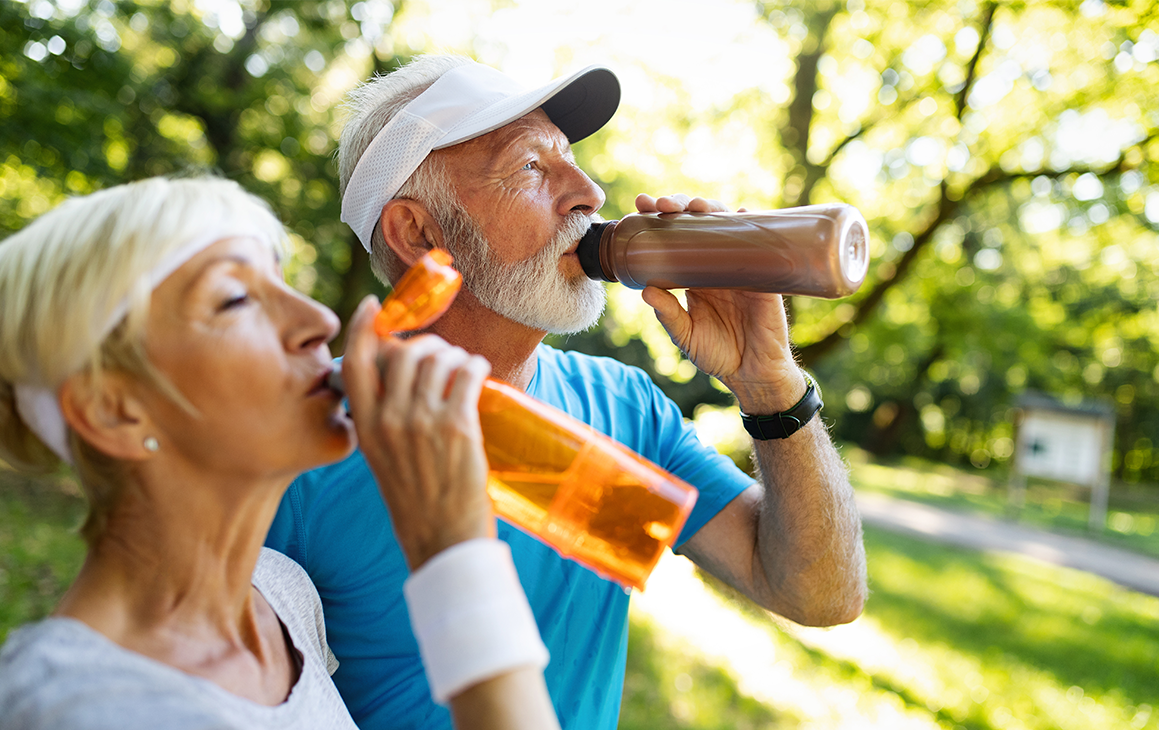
[788, 422]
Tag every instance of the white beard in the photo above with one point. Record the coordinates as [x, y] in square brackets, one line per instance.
[532, 292]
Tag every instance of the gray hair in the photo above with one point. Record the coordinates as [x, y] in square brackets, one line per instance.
[371, 106]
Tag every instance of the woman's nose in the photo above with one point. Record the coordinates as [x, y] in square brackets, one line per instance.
[311, 323]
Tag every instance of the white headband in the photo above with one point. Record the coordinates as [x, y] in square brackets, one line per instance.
[467, 102]
[37, 404]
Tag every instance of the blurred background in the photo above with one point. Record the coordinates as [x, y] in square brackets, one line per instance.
[1006, 156]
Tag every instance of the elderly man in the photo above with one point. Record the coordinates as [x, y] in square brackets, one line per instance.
[451, 154]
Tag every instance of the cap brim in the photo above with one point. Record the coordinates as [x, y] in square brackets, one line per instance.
[585, 105]
[578, 104]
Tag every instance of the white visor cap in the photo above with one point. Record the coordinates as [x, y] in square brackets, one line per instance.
[467, 102]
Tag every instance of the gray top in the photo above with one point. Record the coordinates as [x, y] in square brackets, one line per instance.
[59, 674]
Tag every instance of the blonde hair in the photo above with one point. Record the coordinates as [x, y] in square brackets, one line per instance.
[75, 287]
[371, 106]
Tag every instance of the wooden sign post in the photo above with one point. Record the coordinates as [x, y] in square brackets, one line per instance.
[1066, 443]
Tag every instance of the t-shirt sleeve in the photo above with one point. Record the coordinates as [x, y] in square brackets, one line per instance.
[671, 442]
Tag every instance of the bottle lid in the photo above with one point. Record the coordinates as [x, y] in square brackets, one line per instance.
[853, 254]
[588, 251]
[421, 296]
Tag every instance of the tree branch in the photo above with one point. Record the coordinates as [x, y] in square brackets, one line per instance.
[972, 67]
[944, 206]
[947, 209]
[805, 85]
[861, 130]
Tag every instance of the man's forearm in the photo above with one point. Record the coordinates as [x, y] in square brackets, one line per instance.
[809, 549]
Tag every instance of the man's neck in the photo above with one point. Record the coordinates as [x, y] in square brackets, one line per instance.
[508, 346]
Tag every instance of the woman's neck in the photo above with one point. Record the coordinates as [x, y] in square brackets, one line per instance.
[170, 577]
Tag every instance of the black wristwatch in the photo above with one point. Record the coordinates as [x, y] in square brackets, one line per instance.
[786, 423]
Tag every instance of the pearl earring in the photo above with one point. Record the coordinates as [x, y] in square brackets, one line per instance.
[151, 444]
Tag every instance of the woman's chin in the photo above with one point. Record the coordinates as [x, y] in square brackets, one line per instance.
[321, 439]
[335, 441]
[343, 439]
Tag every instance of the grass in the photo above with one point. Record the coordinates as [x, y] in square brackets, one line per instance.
[670, 689]
[950, 638]
[40, 552]
[1002, 637]
[1132, 516]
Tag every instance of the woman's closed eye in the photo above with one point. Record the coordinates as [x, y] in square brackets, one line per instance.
[234, 301]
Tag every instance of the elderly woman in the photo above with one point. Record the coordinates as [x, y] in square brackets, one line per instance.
[148, 339]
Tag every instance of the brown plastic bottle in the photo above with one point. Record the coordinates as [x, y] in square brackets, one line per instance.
[814, 251]
[590, 498]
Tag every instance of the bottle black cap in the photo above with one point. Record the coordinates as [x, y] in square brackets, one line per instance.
[588, 251]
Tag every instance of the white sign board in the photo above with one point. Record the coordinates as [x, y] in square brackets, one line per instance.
[1064, 446]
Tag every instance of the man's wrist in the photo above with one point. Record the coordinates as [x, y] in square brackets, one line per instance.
[785, 423]
[771, 396]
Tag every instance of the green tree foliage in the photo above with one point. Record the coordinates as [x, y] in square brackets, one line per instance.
[97, 93]
[1003, 152]
[1011, 151]
[1005, 156]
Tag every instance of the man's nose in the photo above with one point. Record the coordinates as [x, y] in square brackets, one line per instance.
[581, 194]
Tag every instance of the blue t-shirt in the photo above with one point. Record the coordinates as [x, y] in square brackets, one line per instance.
[334, 523]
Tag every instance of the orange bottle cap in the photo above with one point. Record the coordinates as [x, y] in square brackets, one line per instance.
[421, 296]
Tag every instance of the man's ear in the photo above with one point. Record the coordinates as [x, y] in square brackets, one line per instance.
[409, 229]
[107, 415]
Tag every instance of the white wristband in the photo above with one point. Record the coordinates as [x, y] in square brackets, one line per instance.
[471, 617]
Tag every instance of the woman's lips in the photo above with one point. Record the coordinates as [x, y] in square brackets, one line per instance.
[334, 381]
[322, 384]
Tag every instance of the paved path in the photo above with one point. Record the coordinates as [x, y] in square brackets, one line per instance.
[1126, 568]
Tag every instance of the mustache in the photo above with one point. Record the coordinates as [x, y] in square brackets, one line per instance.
[574, 226]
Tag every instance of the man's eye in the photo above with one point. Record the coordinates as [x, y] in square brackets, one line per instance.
[528, 166]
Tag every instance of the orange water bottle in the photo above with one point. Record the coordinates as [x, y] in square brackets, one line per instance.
[587, 496]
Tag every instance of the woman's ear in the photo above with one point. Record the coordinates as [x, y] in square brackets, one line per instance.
[409, 229]
[105, 413]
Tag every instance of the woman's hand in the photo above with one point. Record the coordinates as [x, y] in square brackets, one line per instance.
[415, 405]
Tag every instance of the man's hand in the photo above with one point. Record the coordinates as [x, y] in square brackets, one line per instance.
[740, 337]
